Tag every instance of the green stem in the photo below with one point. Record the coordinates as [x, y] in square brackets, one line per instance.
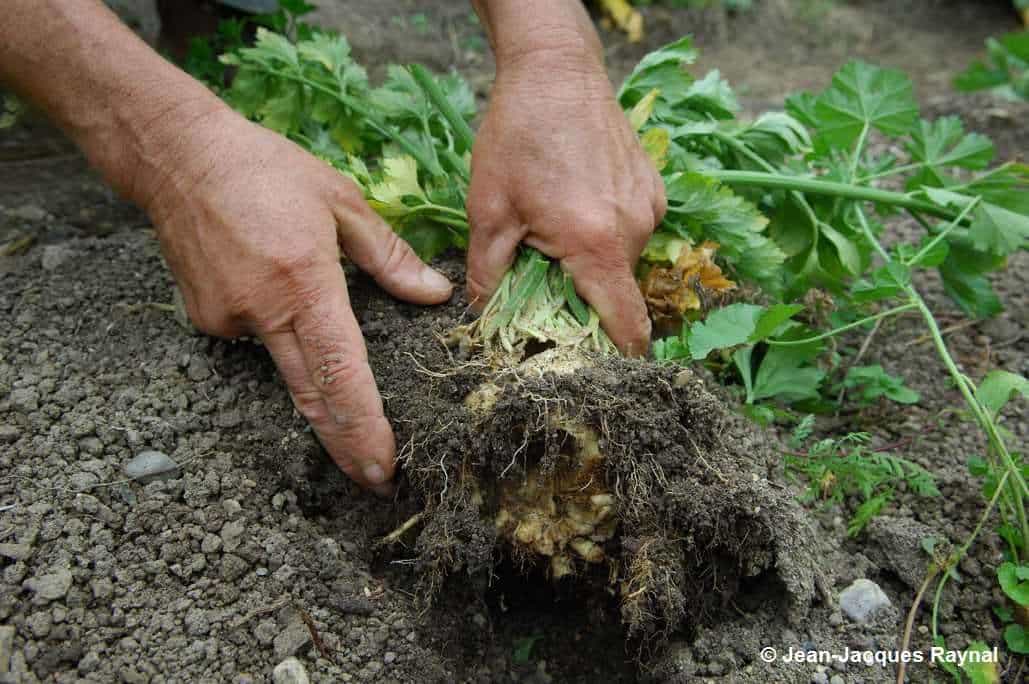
[964, 548]
[1019, 487]
[815, 186]
[943, 233]
[859, 147]
[760, 161]
[369, 116]
[446, 107]
[892, 172]
[832, 333]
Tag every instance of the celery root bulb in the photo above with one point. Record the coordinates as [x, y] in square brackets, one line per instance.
[620, 478]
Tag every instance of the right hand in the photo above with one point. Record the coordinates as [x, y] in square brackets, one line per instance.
[252, 228]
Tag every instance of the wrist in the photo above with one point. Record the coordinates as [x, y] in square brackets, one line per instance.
[534, 33]
[152, 143]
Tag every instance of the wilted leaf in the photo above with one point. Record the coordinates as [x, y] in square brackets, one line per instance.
[626, 17]
[680, 277]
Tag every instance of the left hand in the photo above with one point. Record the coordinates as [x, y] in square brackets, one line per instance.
[557, 166]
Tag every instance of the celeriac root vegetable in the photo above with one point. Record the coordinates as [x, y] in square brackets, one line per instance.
[584, 469]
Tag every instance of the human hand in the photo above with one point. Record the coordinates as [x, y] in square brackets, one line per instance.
[252, 227]
[557, 166]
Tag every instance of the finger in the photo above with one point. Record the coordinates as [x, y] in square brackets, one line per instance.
[326, 368]
[377, 250]
[490, 254]
[607, 283]
[659, 199]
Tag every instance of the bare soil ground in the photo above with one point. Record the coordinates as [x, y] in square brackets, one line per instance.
[257, 549]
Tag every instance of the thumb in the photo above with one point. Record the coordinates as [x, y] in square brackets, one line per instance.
[377, 250]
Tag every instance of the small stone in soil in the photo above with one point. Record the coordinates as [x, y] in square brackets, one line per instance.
[290, 671]
[8, 434]
[15, 551]
[148, 466]
[50, 587]
[295, 636]
[862, 600]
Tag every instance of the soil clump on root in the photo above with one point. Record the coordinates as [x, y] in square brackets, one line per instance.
[620, 475]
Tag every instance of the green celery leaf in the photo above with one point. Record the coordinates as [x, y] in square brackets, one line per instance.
[1017, 639]
[873, 382]
[427, 239]
[980, 668]
[742, 359]
[865, 95]
[249, 91]
[1006, 186]
[994, 229]
[998, 387]
[944, 143]
[932, 258]
[801, 106]
[846, 250]
[699, 208]
[662, 69]
[784, 374]
[774, 136]
[999, 231]
[723, 328]
[330, 51]
[711, 95]
[969, 289]
[771, 320]
[283, 112]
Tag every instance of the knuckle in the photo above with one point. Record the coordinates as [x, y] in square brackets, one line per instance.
[396, 254]
[310, 404]
[336, 372]
[344, 192]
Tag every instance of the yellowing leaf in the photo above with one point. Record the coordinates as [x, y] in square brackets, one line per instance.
[399, 180]
[655, 143]
[625, 17]
[642, 110]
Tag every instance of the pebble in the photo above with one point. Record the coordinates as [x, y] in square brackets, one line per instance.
[232, 534]
[9, 434]
[837, 679]
[28, 212]
[862, 600]
[819, 678]
[6, 647]
[836, 619]
[148, 466]
[15, 551]
[24, 400]
[290, 671]
[55, 255]
[50, 587]
[295, 636]
[83, 481]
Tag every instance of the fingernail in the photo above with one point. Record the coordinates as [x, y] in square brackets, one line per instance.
[434, 280]
[374, 474]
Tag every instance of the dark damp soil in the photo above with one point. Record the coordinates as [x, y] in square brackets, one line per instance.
[258, 549]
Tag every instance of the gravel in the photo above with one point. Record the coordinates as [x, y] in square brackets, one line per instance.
[862, 600]
[150, 465]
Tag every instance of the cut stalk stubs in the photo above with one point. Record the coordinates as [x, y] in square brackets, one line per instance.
[536, 302]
